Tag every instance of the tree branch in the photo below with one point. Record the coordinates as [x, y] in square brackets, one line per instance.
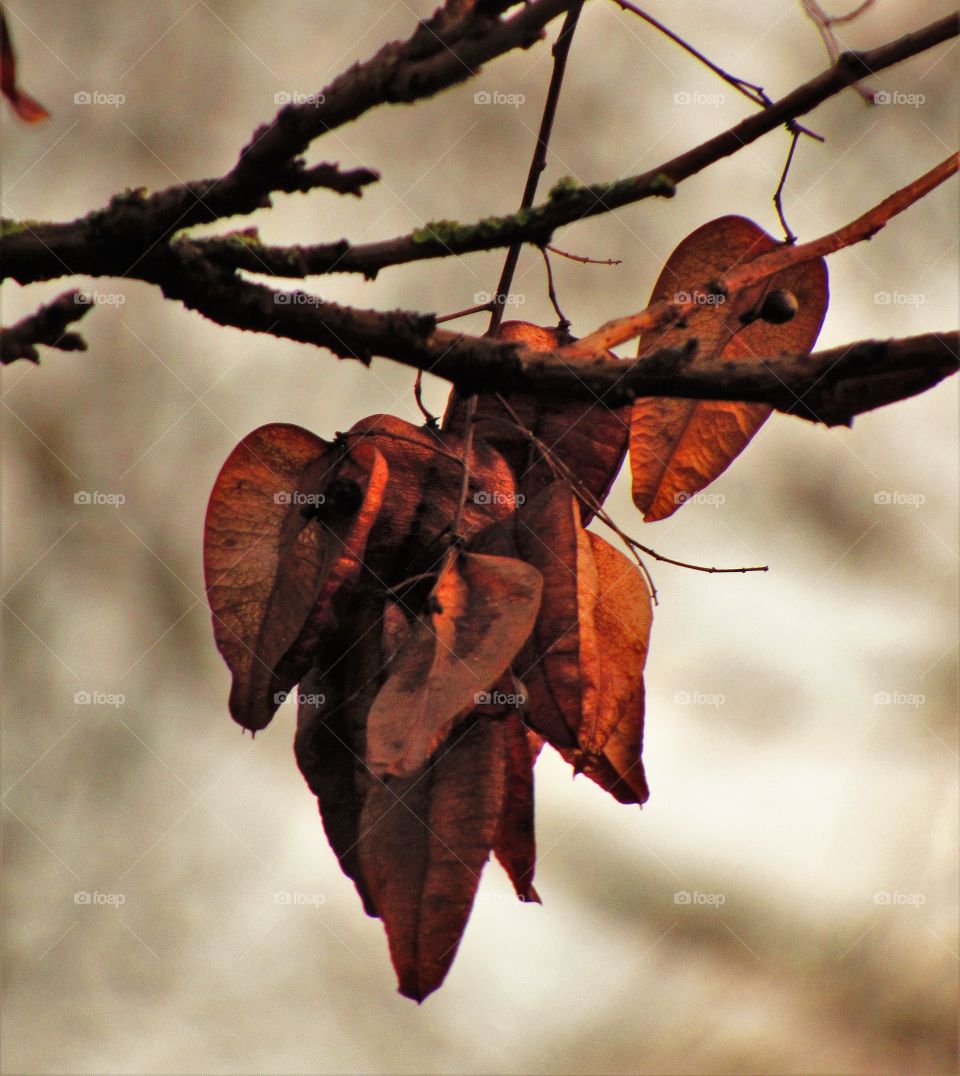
[107, 242]
[829, 386]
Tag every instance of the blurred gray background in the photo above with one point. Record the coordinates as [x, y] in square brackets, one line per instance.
[802, 724]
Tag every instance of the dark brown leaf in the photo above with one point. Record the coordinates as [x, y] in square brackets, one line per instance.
[425, 840]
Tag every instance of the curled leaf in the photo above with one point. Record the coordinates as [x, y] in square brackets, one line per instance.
[480, 613]
[611, 747]
[678, 446]
[271, 568]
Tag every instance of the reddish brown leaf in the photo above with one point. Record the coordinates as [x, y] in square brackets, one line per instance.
[29, 110]
[622, 614]
[329, 760]
[559, 664]
[482, 610]
[412, 532]
[589, 438]
[677, 447]
[516, 846]
[268, 567]
[424, 843]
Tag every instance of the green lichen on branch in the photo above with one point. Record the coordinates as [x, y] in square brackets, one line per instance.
[9, 226]
[244, 238]
[568, 191]
[537, 223]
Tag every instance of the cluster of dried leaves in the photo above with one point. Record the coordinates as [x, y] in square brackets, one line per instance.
[437, 597]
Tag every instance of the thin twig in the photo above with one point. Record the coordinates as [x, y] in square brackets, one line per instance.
[538, 163]
[464, 313]
[750, 90]
[431, 419]
[582, 258]
[788, 234]
[563, 322]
